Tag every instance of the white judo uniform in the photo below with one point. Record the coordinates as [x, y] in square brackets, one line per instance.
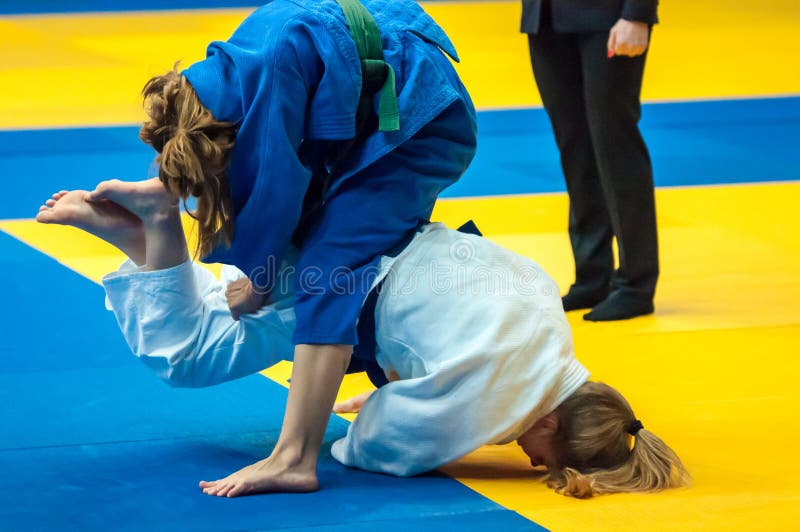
[476, 333]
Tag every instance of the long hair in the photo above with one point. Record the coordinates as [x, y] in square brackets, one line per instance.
[194, 149]
[596, 455]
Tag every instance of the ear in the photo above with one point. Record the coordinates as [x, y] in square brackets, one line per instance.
[548, 423]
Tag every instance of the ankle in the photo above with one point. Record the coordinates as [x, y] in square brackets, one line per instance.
[294, 456]
[621, 306]
[580, 297]
[166, 216]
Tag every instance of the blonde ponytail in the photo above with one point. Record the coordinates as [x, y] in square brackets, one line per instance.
[194, 149]
[596, 453]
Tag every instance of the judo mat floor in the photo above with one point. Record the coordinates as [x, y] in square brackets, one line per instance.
[92, 441]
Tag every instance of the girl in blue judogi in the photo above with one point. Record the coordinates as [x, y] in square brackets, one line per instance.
[318, 124]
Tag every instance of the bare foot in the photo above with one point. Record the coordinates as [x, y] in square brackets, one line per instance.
[145, 199]
[103, 219]
[265, 476]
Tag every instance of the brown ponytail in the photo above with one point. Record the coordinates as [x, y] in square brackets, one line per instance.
[194, 149]
[596, 455]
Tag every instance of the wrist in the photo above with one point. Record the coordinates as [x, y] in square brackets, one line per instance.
[644, 11]
[637, 23]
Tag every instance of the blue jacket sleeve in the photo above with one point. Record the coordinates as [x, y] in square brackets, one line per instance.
[266, 174]
[294, 80]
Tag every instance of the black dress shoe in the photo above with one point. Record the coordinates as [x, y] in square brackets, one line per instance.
[578, 298]
[620, 306]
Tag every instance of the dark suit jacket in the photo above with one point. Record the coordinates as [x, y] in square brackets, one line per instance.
[581, 16]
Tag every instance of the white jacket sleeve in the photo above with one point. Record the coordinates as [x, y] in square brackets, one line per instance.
[177, 322]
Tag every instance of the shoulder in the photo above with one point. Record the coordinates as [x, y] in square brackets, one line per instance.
[301, 37]
[280, 16]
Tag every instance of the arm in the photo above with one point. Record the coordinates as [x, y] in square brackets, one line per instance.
[318, 369]
[177, 322]
[640, 11]
[268, 181]
[630, 36]
[309, 91]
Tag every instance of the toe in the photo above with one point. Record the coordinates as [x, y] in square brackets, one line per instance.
[223, 492]
[50, 202]
[219, 489]
[239, 489]
[103, 190]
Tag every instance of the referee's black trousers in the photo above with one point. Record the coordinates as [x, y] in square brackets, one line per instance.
[594, 107]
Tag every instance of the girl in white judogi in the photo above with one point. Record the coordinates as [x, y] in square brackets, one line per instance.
[473, 335]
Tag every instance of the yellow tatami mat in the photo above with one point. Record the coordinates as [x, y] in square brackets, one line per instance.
[88, 69]
[712, 372]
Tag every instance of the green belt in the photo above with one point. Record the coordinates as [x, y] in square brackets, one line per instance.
[374, 70]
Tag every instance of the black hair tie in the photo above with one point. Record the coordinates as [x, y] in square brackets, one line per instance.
[634, 427]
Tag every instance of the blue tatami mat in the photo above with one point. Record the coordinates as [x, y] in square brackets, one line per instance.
[26, 7]
[691, 143]
[93, 441]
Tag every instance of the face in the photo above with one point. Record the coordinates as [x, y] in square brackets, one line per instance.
[538, 443]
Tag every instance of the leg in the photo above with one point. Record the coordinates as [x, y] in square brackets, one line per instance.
[378, 208]
[612, 90]
[317, 373]
[160, 215]
[556, 64]
[105, 220]
[198, 343]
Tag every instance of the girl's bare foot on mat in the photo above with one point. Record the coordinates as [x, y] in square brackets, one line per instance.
[268, 475]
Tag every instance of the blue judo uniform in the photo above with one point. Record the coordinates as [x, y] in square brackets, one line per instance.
[290, 78]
